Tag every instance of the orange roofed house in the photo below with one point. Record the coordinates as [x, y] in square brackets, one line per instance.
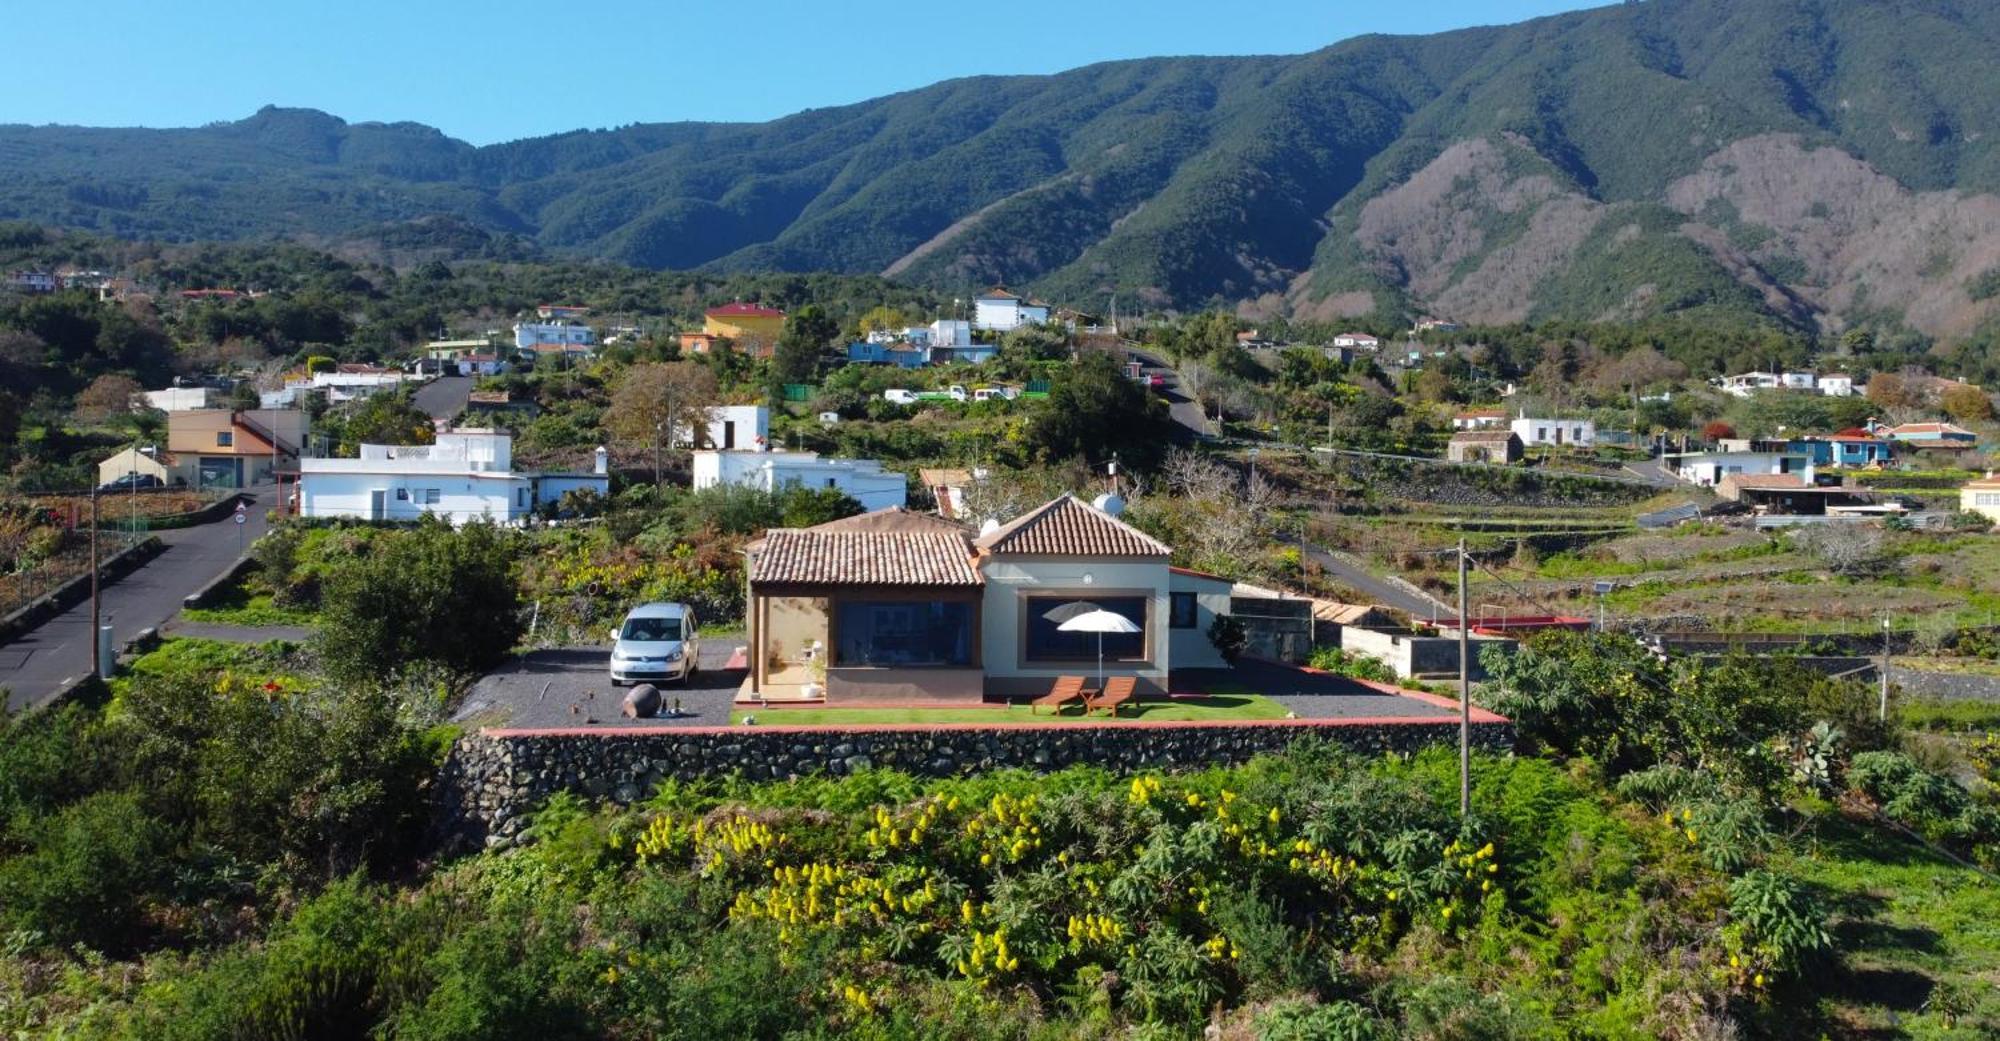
[753, 328]
[900, 606]
[222, 448]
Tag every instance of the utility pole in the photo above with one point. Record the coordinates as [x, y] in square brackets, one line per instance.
[1882, 712]
[1464, 694]
[96, 603]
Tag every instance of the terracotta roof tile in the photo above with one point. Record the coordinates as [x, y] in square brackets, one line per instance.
[1070, 527]
[876, 558]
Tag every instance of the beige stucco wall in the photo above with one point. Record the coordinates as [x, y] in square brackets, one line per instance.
[132, 460]
[1010, 579]
[796, 622]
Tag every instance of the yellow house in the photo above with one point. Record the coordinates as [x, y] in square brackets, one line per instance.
[1981, 496]
[754, 329]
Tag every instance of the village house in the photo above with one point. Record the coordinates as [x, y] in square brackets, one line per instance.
[998, 310]
[1357, 341]
[1707, 469]
[32, 281]
[947, 488]
[1794, 494]
[556, 336]
[1837, 385]
[863, 480]
[730, 427]
[752, 328]
[1942, 438]
[1577, 433]
[221, 448]
[466, 476]
[1852, 447]
[1981, 496]
[182, 399]
[1484, 446]
[899, 606]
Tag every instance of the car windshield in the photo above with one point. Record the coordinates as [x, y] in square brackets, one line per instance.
[651, 630]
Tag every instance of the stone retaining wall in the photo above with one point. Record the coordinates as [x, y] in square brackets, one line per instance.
[495, 777]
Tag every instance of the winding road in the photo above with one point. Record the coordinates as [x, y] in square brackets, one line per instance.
[40, 664]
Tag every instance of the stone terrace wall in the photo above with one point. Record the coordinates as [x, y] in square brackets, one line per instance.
[494, 777]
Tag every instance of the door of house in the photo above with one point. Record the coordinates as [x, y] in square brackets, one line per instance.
[378, 504]
[728, 434]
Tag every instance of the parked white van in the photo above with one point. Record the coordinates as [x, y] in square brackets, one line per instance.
[900, 397]
[657, 641]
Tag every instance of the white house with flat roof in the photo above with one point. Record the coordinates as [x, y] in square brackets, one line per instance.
[863, 479]
[730, 428]
[467, 475]
[1708, 469]
[1579, 433]
[555, 335]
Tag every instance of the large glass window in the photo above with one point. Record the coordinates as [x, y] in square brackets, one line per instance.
[1046, 640]
[904, 633]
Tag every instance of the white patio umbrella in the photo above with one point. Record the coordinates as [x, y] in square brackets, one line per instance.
[1093, 620]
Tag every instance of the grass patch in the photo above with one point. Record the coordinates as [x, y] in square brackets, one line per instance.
[1920, 935]
[257, 610]
[1178, 710]
[1950, 714]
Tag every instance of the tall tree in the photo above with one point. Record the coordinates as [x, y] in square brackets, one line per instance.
[1095, 412]
[659, 404]
[108, 397]
[807, 332]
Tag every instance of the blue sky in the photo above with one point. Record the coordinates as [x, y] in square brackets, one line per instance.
[503, 69]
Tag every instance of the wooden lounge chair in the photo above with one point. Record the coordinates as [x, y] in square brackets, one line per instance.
[1117, 691]
[1066, 690]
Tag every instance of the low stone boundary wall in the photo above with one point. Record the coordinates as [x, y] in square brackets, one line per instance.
[493, 778]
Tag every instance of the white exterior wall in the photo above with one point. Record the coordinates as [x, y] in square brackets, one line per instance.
[1798, 381]
[1837, 386]
[950, 332]
[863, 479]
[462, 497]
[529, 335]
[752, 425]
[1710, 468]
[1004, 315]
[1190, 647]
[178, 399]
[1532, 432]
[1008, 580]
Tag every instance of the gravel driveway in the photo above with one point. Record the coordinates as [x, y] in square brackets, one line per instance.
[571, 687]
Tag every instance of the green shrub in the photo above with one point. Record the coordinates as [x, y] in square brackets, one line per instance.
[433, 593]
[1783, 924]
[84, 872]
[1338, 1021]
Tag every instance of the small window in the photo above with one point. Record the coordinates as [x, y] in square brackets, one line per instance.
[430, 496]
[225, 438]
[402, 495]
[1181, 613]
[521, 497]
[832, 483]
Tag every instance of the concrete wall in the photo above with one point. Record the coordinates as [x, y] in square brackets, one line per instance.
[1009, 580]
[1410, 656]
[493, 778]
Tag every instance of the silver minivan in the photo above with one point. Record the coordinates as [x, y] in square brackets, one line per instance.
[655, 642]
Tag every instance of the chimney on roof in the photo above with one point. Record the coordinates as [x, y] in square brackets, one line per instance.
[603, 461]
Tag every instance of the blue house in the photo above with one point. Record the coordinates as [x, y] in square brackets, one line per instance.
[1843, 449]
[901, 355]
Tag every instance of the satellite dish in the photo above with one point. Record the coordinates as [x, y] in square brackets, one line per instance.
[989, 526]
[1110, 502]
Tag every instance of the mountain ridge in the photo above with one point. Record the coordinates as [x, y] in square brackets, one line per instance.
[1542, 160]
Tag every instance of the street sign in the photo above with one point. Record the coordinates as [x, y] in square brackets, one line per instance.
[241, 517]
[1601, 588]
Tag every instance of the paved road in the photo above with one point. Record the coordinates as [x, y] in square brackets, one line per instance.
[1185, 411]
[572, 687]
[1374, 587]
[38, 665]
[444, 397]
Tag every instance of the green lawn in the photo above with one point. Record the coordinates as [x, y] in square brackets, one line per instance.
[1220, 706]
[1921, 936]
[255, 610]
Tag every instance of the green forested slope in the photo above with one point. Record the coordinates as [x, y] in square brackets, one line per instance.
[1189, 180]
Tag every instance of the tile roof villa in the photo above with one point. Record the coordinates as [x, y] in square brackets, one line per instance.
[901, 606]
